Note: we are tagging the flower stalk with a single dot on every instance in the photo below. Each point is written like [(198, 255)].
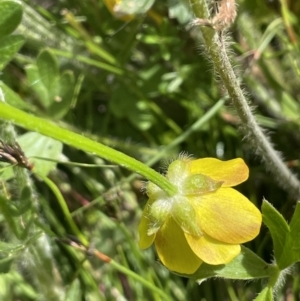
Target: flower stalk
[(216, 48), (52, 130)]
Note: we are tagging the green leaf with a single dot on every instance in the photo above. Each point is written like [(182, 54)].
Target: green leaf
[(265, 295), (11, 15), (291, 252), (295, 228), (125, 104), (62, 101), (9, 248), (5, 264), (247, 265), (278, 227), (35, 144), (13, 98), (9, 46), (180, 10), (6, 212), (37, 85), (74, 292), (133, 7), (48, 71), (285, 237)]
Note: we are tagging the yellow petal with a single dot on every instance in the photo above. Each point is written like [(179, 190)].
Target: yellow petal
[(212, 251), (173, 249), (145, 240), (232, 172), (228, 216)]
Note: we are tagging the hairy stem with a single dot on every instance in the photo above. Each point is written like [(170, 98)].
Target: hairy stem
[(253, 133)]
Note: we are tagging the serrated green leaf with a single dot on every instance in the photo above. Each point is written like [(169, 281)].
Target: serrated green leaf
[(9, 46), (247, 265), (11, 15), (278, 227), (265, 295), (48, 70)]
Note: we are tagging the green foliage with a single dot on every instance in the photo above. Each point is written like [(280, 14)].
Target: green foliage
[(145, 87), (245, 266), (285, 237), (128, 7), (11, 14), (55, 91), (265, 295)]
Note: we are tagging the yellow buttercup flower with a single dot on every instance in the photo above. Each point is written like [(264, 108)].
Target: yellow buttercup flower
[(205, 221)]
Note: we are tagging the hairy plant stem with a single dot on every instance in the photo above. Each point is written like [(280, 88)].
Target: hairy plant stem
[(216, 48)]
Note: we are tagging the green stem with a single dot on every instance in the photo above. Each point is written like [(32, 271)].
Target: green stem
[(88, 61), (50, 129), (140, 279), (216, 48), (64, 208)]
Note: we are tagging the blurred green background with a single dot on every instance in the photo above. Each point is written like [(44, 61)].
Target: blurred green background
[(138, 79)]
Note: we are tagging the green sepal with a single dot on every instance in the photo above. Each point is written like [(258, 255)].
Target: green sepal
[(185, 216), (158, 213), (200, 184), (176, 171), (153, 190)]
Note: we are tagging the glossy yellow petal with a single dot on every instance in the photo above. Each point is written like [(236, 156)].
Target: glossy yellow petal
[(228, 216), (232, 172), (145, 241), (173, 249), (212, 251)]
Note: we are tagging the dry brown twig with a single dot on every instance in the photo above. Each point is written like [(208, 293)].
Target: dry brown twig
[(13, 154)]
